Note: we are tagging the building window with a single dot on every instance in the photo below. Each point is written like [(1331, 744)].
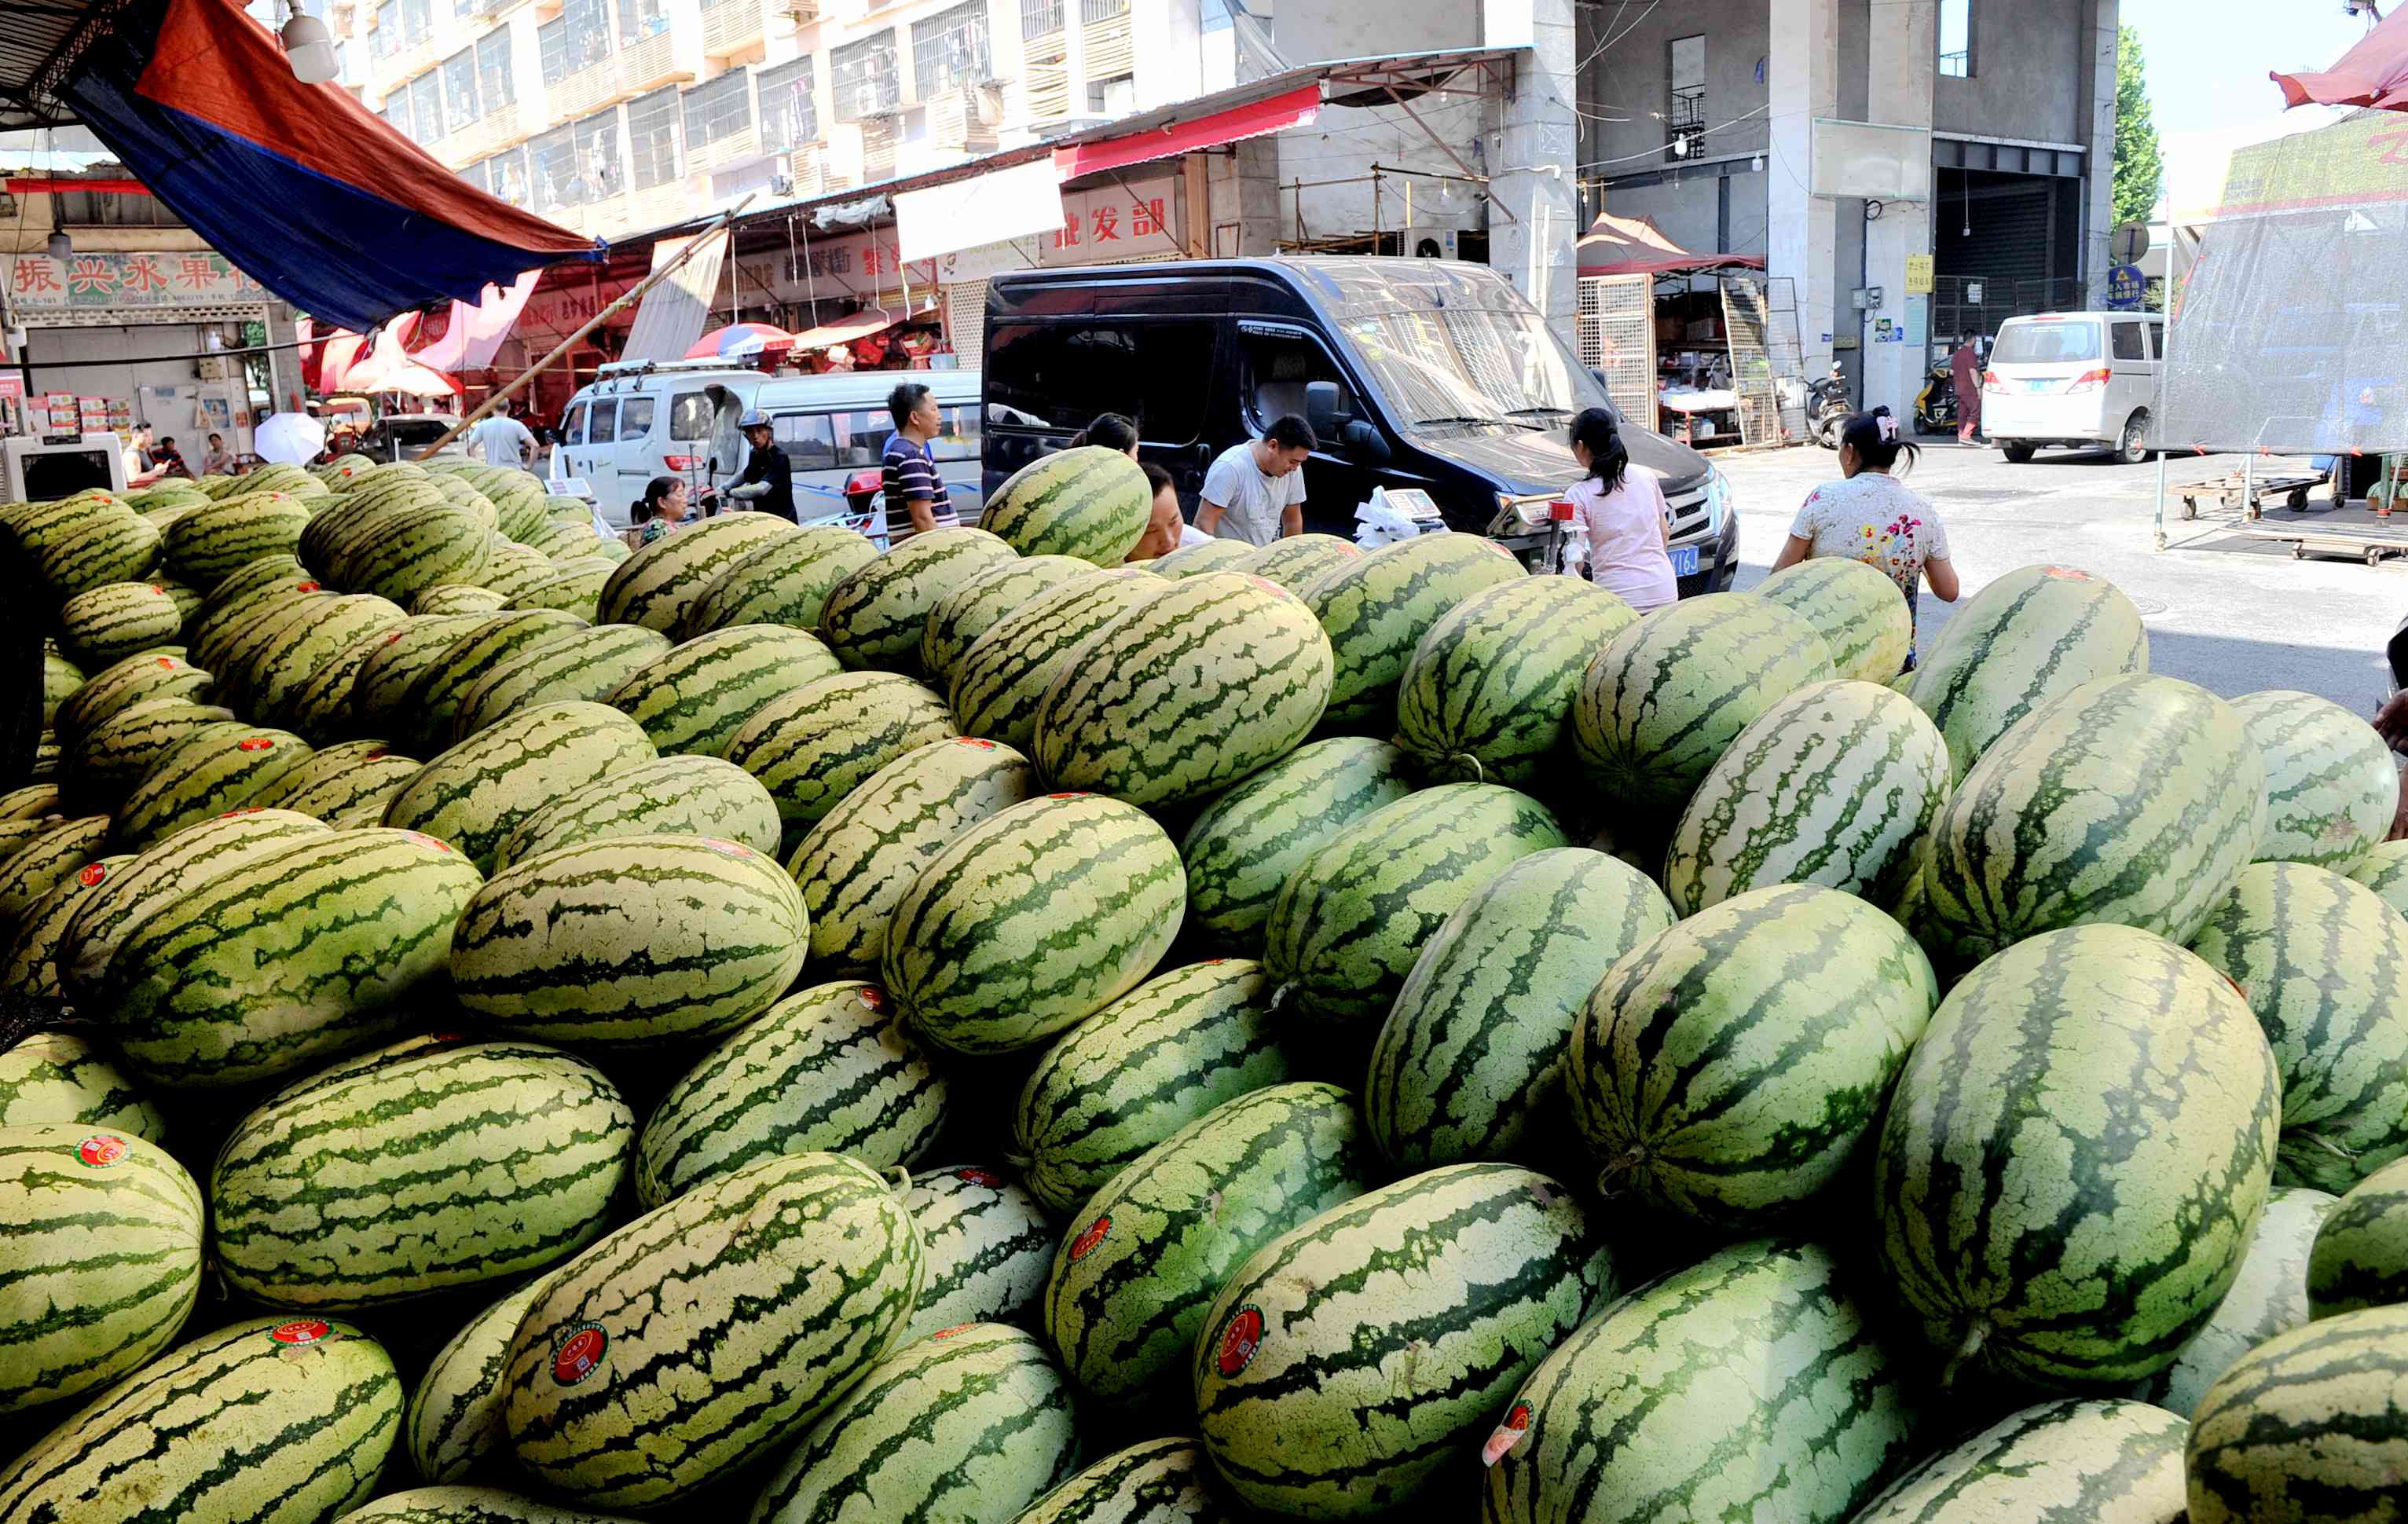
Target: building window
[(397, 110), (494, 86), (597, 153), (386, 36), (1112, 97), (475, 175), (788, 117), (1040, 16), (460, 90), (949, 49), (506, 176), (653, 139), (1685, 115), (1957, 39), (719, 109), (112, 208), (426, 107), (579, 38), (1091, 12), (552, 164), (862, 75), (641, 19), (417, 21)]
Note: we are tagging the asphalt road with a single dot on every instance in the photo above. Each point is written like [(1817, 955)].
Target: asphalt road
[(2232, 614)]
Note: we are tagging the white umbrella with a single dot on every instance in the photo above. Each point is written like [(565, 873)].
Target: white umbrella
[(289, 439)]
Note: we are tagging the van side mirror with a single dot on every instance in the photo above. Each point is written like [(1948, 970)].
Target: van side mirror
[(1363, 443), (1320, 408)]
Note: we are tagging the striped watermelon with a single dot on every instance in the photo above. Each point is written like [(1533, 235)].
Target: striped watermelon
[(2030, 636), (1144, 1067), (60, 678), (2384, 870), (783, 582), (697, 696), (1834, 784), (1471, 1059), (1343, 1363), (448, 600), (45, 860), (1753, 1384), (1488, 692), (229, 615), (322, 708), (117, 620), (335, 779), (295, 956), (1865, 623), (971, 1423), (272, 1420), (682, 795), (474, 794), (208, 772), (579, 665), (1245, 843), (382, 687), (2075, 1461), (1086, 501), (1032, 921), (106, 549), (2269, 1297), (429, 713), (102, 767), (310, 679), (2122, 1106), (988, 1249), (512, 1153), (656, 585), (576, 590), (188, 600), (794, 1277), (470, 1505), (601, 942), (1002, 680), (1353, 914), (1377, 608), (512, 570), (2360, 1256), (827, 1070), (1297, 561), (32, 802), (1159, 1481), (2174, 800), (2322, 961), (57, 1077), (812, 746), (856, 863), (29, 953), (875, 617), (969, 611), (209, 544), (101, 1263), (401, 554), (454, 1417), (1668, 695), (2331, 785), (1195, 560), (130, 681), (2308, 1425), (1691, 1099), (1139, 1262)]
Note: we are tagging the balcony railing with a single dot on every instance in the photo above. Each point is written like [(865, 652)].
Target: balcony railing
[(720, 153), (730, 27), (650, 63), (488, 135), (1110, 51), (588, 89), (800, 12)]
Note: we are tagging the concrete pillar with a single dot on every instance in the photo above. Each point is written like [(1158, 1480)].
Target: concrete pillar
[(1167, 37), (1902, 61), (2098, 164), (1536, 175), (284, 389), (1801, 232), (1242, 199)]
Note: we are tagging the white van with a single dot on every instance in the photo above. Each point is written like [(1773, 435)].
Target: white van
[(834, 428), (2083, 381), (640, 420)]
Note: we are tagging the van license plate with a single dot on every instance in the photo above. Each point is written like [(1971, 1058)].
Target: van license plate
[(1684, 560)]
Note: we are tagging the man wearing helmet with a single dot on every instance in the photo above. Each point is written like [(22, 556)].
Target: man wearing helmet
[(768, 484)]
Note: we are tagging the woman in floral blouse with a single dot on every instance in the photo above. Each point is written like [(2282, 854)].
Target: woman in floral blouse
[(1871, 516)]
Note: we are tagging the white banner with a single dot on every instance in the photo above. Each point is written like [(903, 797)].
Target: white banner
[(991, 209)]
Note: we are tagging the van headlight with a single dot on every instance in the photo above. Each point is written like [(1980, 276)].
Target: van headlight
[(1718, 499)]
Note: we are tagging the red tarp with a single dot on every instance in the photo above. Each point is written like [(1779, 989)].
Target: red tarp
[(2374, 73), (1296, 108), (1636, 246)]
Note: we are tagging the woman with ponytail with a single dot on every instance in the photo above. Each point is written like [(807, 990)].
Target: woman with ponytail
[(1630, 525), (1871, 516)]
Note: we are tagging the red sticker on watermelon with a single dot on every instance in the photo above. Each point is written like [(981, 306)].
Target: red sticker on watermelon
[(375, 755), (391, 638), (1074, 794), (980, 1177), (726, 849), (1084, 1245), (101, 1149), (2068, 574), (973, 740), (301, 1330), (256, 743), (872, 997), (156, 588), (167, 664), (958, 1328), (426, 841), (1507, 1434), (1238, 1341), (580, 1354), (91, 873), (305, 588)]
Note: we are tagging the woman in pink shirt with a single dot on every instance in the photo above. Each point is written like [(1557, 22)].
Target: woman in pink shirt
[(1630, 526)]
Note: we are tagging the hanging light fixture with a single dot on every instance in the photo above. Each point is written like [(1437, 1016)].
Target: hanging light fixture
[(308, 47), (59, 245), (1756, 164)]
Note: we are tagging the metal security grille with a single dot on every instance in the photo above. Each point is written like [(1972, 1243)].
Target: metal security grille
[(652, 123), (864, 77), (1617, 340), (1788, 349), (966, 320), (788, 117), (949, 49), (597, 153), (720, 108), (494, 69), (1746, 321)]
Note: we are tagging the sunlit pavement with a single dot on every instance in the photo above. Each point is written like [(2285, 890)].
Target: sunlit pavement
[(2231, 614)]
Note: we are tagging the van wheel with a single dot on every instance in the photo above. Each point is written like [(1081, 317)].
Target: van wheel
[(2133, 447), (2017, 455)]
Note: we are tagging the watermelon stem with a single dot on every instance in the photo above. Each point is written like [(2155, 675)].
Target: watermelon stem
[(1609, 1179), (1457, 761), (2336, 1150), (1975, 1337), (1279, 996)]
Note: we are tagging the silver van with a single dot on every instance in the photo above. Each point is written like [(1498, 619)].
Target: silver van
[(637, 422), (2082, 380), (833, 429)]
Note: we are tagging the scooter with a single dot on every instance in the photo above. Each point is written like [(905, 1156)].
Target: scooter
[(1935, 405), (1826, 407)]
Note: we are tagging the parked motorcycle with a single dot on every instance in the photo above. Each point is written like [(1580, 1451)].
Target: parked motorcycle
[(1935, 405), (1827, 408)]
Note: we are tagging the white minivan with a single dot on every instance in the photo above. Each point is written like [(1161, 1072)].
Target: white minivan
[(2083, 381), (833, 429), (637, 422)]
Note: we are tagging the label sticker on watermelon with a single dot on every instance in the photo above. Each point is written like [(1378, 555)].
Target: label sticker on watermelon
[(1074, 794), (301, 1330), (305, 588), (958, 1328), (376, 756), (426, 841), (91, 873), (166, 664), (254, 743), (2067, 574), (580, 1354), (1238, 1341), (245, 810), (156, 588), (726, 849), (101, 1150), (980, 1177), (1084, 1245), (1507, 1435), (973, 740), (391, 638), (872, 997)]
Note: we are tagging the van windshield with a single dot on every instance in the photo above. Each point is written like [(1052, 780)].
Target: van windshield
[(1462, 365), (2045, 343)]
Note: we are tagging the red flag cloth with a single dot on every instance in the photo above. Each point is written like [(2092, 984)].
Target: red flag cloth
[(2374, 73), (476, 332)]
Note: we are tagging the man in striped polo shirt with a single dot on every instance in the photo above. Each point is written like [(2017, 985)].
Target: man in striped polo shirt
[(916, 499)]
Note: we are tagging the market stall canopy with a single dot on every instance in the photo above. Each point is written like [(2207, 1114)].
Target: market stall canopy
[(1636, 246), (391, 367), (477, 329), (2374, 73), (740, 341), (847, 330), (300, 186)]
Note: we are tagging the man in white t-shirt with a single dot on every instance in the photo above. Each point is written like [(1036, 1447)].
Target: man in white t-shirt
[(502, 440), (1255, 491)]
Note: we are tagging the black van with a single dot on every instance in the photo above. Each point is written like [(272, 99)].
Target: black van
[(1412, 372)]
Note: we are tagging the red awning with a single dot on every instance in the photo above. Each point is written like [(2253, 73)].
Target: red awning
[(1296, 108), (1636, 246), (846, 330), (2374, 73)]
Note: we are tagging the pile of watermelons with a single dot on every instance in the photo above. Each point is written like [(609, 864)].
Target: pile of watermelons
[(764, 1029)]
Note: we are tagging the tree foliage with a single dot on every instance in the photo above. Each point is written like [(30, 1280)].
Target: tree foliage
[(2140, 166)]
